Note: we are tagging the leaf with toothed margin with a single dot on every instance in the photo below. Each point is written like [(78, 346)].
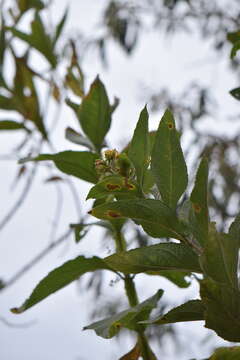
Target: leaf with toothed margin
[(61, 277), (167, 164), (129, 318), (156, 218), (80, 164)]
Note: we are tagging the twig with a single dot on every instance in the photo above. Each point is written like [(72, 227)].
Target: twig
[(36, 259), (21, 198)]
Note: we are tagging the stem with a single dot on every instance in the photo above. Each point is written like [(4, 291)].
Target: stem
[(132, 296)]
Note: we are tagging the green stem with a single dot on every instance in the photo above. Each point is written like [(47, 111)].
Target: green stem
[(132, 296)]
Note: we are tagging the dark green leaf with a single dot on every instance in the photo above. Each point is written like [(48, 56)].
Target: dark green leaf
[(163, 256), (61, 277), (222, 304), (234, 230), (226, 353), (192, 310), (129, 318), (157, 219), (139, 150), (80, 231), (220, 258), (199, 218), (2, 43), (11, 125), (59, 27), (236, 93), (235, 49), (94, 113), (114, 184), (168, 164), (76, 163)]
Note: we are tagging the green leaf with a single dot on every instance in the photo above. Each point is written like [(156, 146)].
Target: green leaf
[(80, 231), (61, 277), (226, 353), (94, 113), (168, 164), (59, 27), (2, 44), (139, 150), (199, 218), (220, 258), (154, 258), (11, 125), (77, 138), (176, 277), (129, 318), (192, 310), (222, 304), (38, 39), (235, 93), (234, 230), (133, 354), (157, 219), (25, 5), (80, 164), (115, 184), (235, 49)]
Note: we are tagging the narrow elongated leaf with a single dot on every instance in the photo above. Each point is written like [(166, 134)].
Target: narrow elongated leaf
[(94, 113), (59, 27), (129, 318), (139, 150), (222, 303), (192, 310), (199, 218), (168, 164), (76, 163), (11, 125), (220, 258), (115, 184), (163, 256), (2, 43), (157, 219), (226, 353), (77, 138), (61, 277)]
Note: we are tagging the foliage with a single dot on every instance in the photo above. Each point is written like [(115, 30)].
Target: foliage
[(145, 185)]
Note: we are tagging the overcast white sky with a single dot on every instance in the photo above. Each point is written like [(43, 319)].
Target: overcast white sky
[(57, 332)]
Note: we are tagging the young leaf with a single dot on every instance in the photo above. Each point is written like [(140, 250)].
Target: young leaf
[(222, 304), (154, 258), (94, 113), (76, 163), (220, 258), (140, 147), (129, 318), (192, 310), (157, 219), (114, 184), (168, 164), (61, 277), (199, 218)]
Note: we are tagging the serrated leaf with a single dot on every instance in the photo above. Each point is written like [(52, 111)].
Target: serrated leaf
[(154, 258), (157, 219), (61, 277), (220, 258), (222, 303), (115, 184), (226, 353), (129, 318), (168, 164), (80, 164), (11, 125), (94, 113), (192, 310), (139, 150), (235, 93), (199, 218)]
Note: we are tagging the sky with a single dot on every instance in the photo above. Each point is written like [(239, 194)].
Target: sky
[(53, 329)]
